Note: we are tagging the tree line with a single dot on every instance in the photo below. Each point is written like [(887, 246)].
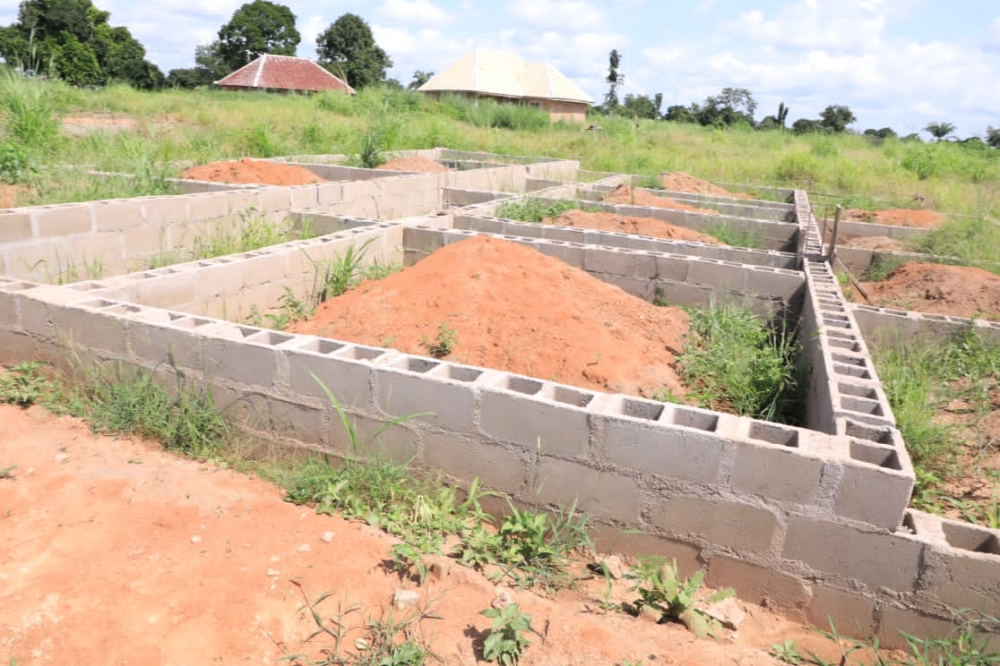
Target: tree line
[(735, 107)]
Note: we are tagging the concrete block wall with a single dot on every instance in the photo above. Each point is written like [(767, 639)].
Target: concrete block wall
[(812, 519), (732, 206), (805, 519), (782, 236), (676, 278), (494, 225), (236, 286)]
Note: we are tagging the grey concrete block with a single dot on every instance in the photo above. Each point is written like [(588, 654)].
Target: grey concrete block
[(15, 226), (760, 585), (777, 473), (599, 494), (850, 612), (667, 451), (235, 360), (497, 467), (64, 219), (161, 211), (530, 422), (347, 379), (177, 344), (717, 521), (441, 403), (877, 488), (878, 559)]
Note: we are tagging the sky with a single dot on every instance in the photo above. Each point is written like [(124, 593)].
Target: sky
[(895, 63)]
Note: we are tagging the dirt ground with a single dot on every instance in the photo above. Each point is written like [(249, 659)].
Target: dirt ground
[(248, 171), (872, 243), (421, 164), (513, 308), (624, 194), (115, 552), (9, 194), (643, 226), (897, 217), (960, 291), (678, 181)]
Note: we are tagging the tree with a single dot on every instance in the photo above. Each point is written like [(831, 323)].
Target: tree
[(680, 114), (348, 49), (641, 106), (257, 28), (209, 67), (782, 115), (993, 136), (730, 107), (939, 130), (884, 133), (806, 126), (614, 79), (420, 77), (836, 118), (74, 40)]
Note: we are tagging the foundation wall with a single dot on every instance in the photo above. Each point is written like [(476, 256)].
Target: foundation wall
[(767, 508), (733, 207)]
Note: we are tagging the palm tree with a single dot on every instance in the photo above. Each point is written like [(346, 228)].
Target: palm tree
[(939, 130)]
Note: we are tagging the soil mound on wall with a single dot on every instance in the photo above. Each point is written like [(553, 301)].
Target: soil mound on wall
[(624, 194), (252, 172), (960, 291), (897, 217), (644, 226), (678, 181), (421, 164), (513, 308)]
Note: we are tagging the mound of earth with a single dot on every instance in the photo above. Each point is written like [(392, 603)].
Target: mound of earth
[(896, 217), (421, 164), (643, 226), (624, 194), (9, 195), (252, 172), (873, 243), (513, 308), (678, 181), (960, 291)]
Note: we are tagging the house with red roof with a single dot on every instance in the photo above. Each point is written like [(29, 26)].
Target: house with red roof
[(279, 73)]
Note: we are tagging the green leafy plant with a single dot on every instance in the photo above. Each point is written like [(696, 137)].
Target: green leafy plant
[(22, 385), (661, 588), (443, 343), (787, 652), (533, 209), (335, 277), (16, 165), (507, 640)]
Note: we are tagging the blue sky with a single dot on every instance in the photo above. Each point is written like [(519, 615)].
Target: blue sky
[(897, 63)]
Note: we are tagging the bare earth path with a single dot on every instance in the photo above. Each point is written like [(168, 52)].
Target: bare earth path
[(115, 552)]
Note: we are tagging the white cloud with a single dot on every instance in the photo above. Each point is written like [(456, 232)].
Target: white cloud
[(828, 24), (557, 14), (414, 11)]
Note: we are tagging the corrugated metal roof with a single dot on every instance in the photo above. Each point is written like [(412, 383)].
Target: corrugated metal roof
[(275, 72), (505, 74)]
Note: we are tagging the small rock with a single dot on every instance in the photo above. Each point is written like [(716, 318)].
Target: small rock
[(728, 613), (62, 457), (614, 566), (304, 548), (404, 599), (196, 539), (502, 600), (273, 572), (327, 537)]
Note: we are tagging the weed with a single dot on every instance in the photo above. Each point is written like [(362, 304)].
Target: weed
[(290, 310), (881, 266), (967, 644), (130, 401), (787, 652), (747, 238), (532, 209), (507, 640), (337, 276), (661, 588), (30, 107), (735, 362), (22, 385), (8, 472), (16, 165), (443, 343)]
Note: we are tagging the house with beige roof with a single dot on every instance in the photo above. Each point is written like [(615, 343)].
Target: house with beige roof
[(505, 77)]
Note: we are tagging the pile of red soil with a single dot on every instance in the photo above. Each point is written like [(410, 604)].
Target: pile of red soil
[(247, 171), (873, 243), (643, 226), (678, 181), (421, 164), (960, 291), (513, 308), (897, 217), (624, 194)]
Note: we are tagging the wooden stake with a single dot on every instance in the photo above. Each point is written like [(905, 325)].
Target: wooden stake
[(832, 255)]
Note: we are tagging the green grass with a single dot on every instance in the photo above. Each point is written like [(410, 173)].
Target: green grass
[(531, 209), (921, 379), (734, 361), (747, 238)]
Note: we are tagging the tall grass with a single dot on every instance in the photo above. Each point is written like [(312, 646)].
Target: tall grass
[(30, 109)]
